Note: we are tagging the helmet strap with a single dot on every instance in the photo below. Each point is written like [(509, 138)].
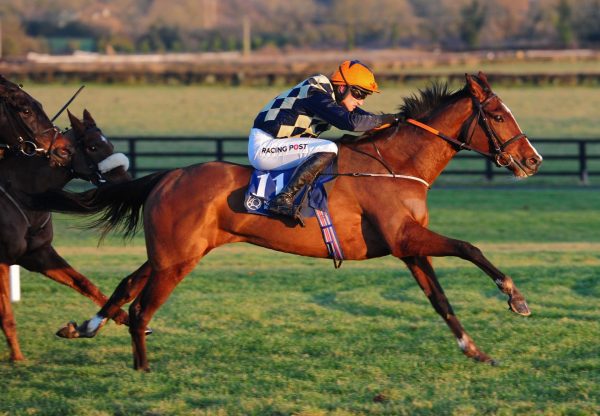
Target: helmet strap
[(341, 96)]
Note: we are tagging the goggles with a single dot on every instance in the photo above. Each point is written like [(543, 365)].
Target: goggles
[(358, 93)]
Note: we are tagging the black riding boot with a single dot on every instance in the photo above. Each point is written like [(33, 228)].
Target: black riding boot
[(305, 174)]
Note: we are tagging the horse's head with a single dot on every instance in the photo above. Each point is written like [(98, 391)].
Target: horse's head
[(25, 127), (492, 129), (94, 159)]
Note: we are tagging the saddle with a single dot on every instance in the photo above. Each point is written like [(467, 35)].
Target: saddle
[(264, 185)]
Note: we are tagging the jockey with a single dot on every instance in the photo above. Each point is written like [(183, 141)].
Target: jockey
[(285, 132)]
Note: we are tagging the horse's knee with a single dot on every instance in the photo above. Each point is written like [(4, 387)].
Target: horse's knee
[(8, 326), (134, 313), (467, 250)]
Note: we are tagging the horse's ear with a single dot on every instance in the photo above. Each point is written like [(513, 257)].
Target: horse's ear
[(87, 118), (476, 89), (76, 124), (484, 81)]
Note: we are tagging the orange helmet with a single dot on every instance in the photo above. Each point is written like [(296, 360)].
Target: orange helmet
[(355, 73)]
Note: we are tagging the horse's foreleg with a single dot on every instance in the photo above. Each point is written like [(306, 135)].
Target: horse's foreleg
[(154, 294), (419, 241), (48, 262), (7, 319), (424, 274)]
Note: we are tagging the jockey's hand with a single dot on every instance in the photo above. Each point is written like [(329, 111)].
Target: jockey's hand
[(388, 121)]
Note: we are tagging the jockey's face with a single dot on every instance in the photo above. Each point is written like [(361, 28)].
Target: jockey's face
[(350, 102)]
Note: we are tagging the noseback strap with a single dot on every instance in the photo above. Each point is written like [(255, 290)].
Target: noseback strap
[(514, 139)]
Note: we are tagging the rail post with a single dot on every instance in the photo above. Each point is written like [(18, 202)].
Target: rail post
[(489, 170), (15, 283), (583, 171), (220, 154), (132, 157)]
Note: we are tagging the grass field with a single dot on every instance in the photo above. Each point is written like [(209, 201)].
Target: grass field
[(256, 332)]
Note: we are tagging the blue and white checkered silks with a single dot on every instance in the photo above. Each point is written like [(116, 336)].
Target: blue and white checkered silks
[(283, 110)]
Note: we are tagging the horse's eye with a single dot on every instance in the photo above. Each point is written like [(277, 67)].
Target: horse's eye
[(26, 111), (92, 148), (499, 118)]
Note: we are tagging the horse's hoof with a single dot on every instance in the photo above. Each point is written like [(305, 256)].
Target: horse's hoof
[(484, 358), (148, 331), (85, 332), (68, 331), (519, 306)]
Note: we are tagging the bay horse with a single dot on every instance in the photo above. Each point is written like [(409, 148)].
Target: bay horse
[(378, 204), (26, 235), (25, 128)]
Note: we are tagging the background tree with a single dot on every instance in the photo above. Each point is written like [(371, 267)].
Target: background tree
[(472, 19), (202, 25), (564, 23), (587, 22)]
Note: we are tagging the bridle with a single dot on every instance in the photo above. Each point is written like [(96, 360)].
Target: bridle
[(97, 169), (27, 143), (479, 117), (96, 176)]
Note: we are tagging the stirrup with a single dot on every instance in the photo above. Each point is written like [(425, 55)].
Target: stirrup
[(287, 211)]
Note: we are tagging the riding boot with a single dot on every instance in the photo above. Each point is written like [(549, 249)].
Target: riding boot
[(305, 174)]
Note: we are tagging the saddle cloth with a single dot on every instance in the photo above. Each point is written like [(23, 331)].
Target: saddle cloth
[(264, 185)]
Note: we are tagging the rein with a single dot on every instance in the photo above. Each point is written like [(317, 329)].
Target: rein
[(380, 175), (379, 158), (16, 204)]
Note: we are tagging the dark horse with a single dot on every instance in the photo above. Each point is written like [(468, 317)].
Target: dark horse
[(380, 210), (26, 236), (26, 129)]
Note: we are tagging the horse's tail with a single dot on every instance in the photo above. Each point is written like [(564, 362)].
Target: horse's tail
[(119, 205)]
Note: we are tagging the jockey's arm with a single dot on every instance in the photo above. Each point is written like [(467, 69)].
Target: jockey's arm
[(327, 109)]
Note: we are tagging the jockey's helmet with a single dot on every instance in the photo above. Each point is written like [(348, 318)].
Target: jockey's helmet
[(355, 74)]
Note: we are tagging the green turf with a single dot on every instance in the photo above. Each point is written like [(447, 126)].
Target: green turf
[(263, 333)]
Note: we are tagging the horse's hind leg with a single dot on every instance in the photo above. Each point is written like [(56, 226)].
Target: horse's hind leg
[(7, 319), (424, 274), (419, 241), (48, 262), (154, 294), (125, 292)]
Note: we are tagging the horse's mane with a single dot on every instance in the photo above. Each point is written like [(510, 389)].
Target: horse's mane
[(424, 104), (12, 93), (420, 106)]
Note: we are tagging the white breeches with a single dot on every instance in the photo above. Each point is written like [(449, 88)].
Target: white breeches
[(268, 153)]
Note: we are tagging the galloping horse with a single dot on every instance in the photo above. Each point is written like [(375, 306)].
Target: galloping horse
[(25, 128), (26, 236), (379, 208)]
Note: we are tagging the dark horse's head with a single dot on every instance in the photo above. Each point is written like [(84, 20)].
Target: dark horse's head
[(25, 127), (94, 159)]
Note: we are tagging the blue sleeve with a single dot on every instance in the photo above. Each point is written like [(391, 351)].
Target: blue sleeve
[(324, 107)]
